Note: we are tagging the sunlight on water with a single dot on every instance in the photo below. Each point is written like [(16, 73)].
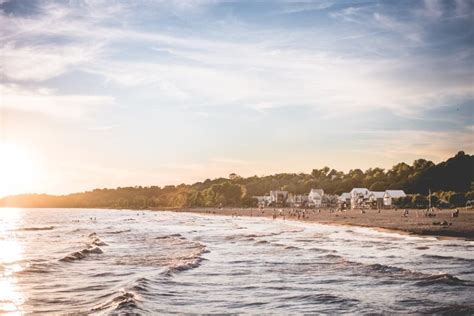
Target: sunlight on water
[(11, 252)]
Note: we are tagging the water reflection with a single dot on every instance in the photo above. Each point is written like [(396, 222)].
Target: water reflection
[(11, 253)]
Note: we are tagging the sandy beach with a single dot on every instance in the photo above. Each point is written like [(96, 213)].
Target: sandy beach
[(388, 219)]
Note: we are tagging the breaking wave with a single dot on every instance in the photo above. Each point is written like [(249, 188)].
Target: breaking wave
[(420, 278), (125, 301), (172, 252), (92, 247)]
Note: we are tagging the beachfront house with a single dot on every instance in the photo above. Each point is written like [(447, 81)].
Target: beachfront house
[(262, 200), (278, 198), (390, 195), (376, 199), (297, 200), (330, 200), (359, 197), (344, 200), (315, 197)]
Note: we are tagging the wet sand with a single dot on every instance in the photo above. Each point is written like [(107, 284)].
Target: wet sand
[(387, 219)]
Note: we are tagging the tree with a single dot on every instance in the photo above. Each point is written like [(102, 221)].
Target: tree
[(457, 200), (419, 200), (234, 176), (378, 186)]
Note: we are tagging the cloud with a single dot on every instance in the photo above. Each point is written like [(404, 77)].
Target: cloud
[(298, 6), (410, 31), (46, 101), (432, 9), (260, 72), (41, 62)]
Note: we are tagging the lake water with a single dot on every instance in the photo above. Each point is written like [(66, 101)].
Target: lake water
[(114, 261)]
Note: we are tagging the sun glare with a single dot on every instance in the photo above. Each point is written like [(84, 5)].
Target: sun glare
[(16, 169)]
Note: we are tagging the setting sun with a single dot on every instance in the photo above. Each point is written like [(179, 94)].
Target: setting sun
[(16, 169)]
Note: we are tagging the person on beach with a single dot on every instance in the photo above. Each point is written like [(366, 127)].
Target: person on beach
[(405, 213)]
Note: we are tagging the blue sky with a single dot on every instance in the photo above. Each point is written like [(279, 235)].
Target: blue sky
[(117, 93)]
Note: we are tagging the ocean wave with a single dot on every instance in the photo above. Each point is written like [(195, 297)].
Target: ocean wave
[(332, 256), (124, 301), (304, 240), (323, 298), (420, 278), (92, 247), (454, 309), (190, 261), (81, 254), (37, 267), (450, 258), (170, 236), (119, 231), (141, 285), (443, 278), (321, 250), (35, 228), (173, 253)]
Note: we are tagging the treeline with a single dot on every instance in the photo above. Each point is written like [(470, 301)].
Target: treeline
[(443, 199), (454, 175)]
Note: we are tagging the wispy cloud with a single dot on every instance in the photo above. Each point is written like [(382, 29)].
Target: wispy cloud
[(41, 62), (219, 72), (48, 102)]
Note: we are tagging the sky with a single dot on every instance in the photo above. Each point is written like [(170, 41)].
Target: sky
[(121, 93)]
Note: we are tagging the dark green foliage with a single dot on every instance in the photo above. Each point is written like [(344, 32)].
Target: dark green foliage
[(419, 201), (378, 186), (457, 199), (451, 181)]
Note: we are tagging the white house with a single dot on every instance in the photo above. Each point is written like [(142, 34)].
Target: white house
[(345, 199), (392, 194), (359, 196), (315, 197), (376, 198), (278, 197), (297, 200), (330, 200), (262, 200)]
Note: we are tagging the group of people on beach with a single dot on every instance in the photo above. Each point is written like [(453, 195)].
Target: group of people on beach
[(304, 214), (295, 213)]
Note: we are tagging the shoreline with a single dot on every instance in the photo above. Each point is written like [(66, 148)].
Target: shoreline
[(388, 220)]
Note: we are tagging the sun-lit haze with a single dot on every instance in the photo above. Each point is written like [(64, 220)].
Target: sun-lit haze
[(17, 169), (122, 93)]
